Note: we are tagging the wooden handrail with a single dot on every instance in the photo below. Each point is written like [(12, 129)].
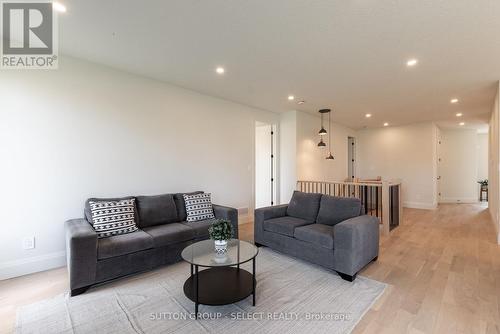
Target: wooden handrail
[(373, 184), (381, 199)]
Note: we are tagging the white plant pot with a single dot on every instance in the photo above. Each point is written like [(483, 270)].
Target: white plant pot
[(220, 258), (220, 246)]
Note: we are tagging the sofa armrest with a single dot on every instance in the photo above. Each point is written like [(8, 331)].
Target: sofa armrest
[(266, 213), (225, 212), (81, 252), (270, 212), (355, 243)]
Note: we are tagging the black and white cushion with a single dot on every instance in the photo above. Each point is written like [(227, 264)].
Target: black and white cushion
[(199, 207), (113, 217)]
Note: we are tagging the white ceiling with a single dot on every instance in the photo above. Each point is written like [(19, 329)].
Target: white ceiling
[(346, 55)]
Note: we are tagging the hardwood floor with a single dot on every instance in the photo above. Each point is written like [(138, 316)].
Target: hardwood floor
[(442, 267), (28, 289)]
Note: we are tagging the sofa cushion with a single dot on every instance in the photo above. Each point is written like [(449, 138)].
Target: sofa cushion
[(181, 205), (317, 234), (88, 213), (113, 217), (199, 207), (200, 228), (156, 210), (284, 225), (164, 235), (304, 205), (123, 244), (334, 210)]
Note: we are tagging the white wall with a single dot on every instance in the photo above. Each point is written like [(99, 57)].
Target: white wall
[(494, 166), (88, 130), (482, 156), (407, 153), (458, 166), (311, 162), (288, 155), (301, 159)]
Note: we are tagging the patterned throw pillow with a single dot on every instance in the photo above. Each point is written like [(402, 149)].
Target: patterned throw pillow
[(113, 217), (198, 207)]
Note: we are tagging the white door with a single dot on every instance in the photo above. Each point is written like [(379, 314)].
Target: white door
[(265, 189)]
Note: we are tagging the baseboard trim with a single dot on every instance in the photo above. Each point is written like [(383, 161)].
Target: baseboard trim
[(459, 200), (419, 205), (32, 265)]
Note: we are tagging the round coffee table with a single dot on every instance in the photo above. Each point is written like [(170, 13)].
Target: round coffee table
[(223, 282)]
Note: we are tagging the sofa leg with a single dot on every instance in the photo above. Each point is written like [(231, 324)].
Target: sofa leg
[(346, 277), (79, 291), (375, 259)]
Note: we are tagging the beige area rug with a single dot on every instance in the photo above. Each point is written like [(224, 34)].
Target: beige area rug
[(293, 296)]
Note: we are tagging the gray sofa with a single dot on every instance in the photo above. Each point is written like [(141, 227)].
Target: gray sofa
[(163, 234), (326, 230)]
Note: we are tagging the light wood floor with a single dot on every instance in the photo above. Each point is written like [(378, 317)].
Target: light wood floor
[(442, 267)]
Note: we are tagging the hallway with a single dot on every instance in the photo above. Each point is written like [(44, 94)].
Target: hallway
[(443, 267)]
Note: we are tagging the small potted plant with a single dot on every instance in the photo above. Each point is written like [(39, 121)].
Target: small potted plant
[(483, 183), (221, 231)]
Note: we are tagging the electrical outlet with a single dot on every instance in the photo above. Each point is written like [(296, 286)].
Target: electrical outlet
[(29, 243)]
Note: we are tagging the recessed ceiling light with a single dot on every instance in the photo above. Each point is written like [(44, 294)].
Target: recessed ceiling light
[(368, 115), (411, 62), (291, 97), (458, 114), (301, 102), (454, 101), (220, 70), (59, 7), (386, 124), (461, 123)]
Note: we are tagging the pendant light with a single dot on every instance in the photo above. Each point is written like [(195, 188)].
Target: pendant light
[(322, 132), (321, 143), (330, 156)]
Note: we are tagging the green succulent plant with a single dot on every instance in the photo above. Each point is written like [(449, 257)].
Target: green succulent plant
[(221, 229), (483, 182)]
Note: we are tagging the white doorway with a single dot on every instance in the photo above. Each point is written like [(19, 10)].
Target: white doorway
[(265, 165), (462, 157)]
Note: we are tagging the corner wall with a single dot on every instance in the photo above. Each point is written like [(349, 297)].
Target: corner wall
[(301, 159), (494, 166), (311, 162), (288, 155), (405, 152)]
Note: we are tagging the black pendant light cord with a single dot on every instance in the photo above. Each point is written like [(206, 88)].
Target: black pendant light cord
[(330, 156)]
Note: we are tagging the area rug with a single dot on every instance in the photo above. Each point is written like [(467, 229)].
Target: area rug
[(293, 296)]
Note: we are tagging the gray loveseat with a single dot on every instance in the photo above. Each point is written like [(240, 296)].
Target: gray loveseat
[(163, 234), (326, 230)]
